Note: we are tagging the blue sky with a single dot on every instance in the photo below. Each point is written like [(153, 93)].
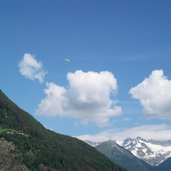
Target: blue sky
[(128, 39)]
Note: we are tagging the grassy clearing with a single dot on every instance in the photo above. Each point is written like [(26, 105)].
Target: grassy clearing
[(2, 130), (12, 131)]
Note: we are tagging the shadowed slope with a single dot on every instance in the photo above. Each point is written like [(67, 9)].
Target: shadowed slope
[(39, 148)]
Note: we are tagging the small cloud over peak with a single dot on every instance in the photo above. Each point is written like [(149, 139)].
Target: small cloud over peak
[(87, 98), (32, 69)]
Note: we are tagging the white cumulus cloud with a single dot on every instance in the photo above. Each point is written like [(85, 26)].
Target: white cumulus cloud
[(156, 132), (88, 97), (31, 68), (154, 94)]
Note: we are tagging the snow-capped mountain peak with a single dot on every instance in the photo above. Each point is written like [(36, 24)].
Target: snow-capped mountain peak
[(153, 152)]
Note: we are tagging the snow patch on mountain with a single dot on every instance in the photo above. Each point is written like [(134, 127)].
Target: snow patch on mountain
[(93, 144)]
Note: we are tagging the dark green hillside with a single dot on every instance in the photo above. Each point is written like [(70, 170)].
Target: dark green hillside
[(37, 148), (11, 116)]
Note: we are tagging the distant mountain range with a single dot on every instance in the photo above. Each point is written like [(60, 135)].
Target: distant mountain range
[(138, 154), (151, 151), (122, 156), (26, 145)]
